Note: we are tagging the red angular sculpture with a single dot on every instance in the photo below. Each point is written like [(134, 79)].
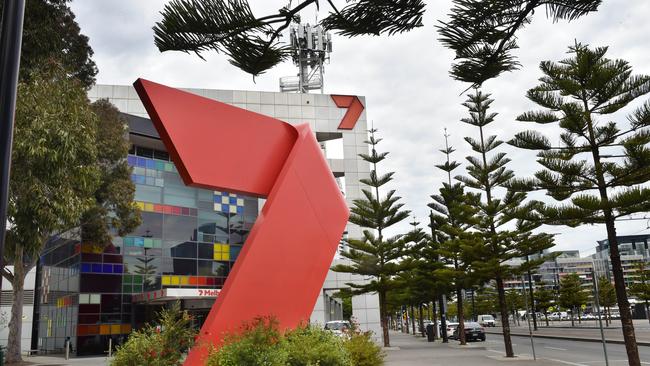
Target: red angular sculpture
[(285, 259), (354, 110)]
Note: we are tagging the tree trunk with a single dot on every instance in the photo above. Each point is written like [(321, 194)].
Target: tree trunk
[(647, 312), (617, 269), (503, 309), (580, 317), (573, 321), (434, 317), (384, 318), (13, 354), (606, 316), (621, 294), (461, 316), (422, 330), (443, 318), (413, 319)]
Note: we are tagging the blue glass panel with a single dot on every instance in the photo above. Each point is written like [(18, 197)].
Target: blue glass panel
[(138, 242), (132, 160), (128, 241), (107, 268), (117, 268), (85, 267), (151, 164), (142, 162), (233, 200), (133, 178), (240, 210), (140, 179), (97, 267), (217, 198)]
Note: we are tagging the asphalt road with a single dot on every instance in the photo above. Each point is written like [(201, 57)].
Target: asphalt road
[(567, 352)]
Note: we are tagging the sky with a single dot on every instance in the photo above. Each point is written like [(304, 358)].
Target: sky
[(410, 97)]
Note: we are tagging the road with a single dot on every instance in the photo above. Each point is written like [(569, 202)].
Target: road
[(567, 352)]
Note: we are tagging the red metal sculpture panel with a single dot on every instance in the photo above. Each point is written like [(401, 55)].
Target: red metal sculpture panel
[(285, 259), (354, 106)]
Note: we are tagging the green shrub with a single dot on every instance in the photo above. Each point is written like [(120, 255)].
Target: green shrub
[(315, 346), (363, 350), (259, 344), (153, 346)]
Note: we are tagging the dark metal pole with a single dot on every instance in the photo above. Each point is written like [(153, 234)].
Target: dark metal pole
[(10, 42), (532, 297), (441, 297)]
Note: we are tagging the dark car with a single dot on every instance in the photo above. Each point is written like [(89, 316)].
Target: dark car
[(473, 332)]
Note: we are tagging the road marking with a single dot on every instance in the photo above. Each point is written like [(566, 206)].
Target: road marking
[(557, 349), (495, 351), (565, 362)]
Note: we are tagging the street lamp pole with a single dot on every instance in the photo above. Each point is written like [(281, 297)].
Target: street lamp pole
[(10, 42)]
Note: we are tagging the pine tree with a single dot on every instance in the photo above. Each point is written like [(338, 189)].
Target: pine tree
[(482, 33), (572, 295), (606, 296), (641, 286), (454, 218), (598, 167), (375, 255), (487, 174)]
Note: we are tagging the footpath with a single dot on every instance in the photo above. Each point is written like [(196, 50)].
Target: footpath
[(587, 332), (408, 350)]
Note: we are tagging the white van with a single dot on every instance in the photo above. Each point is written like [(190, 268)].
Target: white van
[(486, 320)]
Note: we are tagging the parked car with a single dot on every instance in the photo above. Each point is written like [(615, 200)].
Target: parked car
[(473, 332), (451, 327), (486, 320), (338, 327)]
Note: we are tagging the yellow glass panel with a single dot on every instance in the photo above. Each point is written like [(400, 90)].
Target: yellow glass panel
[(104, 329), (225, 248), (233, 209), (166, 280), (148, 207), (126, 328), (175, 280), (184, 280), (240, 201), (115, 328), (140, 205), (225, 200), (225, 256)]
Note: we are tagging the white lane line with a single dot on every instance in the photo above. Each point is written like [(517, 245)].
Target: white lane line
[(495, 351), (556, 348), (565, 362)]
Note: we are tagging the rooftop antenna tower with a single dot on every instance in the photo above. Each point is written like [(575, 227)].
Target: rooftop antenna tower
[(310, 48)]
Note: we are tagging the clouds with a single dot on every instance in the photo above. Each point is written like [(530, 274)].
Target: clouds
[(405, 79)]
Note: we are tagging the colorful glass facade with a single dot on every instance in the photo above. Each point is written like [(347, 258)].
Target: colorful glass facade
[(189, 238)]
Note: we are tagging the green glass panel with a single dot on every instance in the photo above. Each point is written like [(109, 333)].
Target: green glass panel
[(128, 241), (148, 243), (126, 289), (160, 165), (157, 243), (137, 279), (137, 288), (127, 279), (169, 167)]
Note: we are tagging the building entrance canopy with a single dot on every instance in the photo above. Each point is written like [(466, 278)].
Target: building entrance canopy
[(170, 294)]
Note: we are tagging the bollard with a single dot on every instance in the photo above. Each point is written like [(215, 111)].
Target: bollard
[(110, 347), (67, 349)]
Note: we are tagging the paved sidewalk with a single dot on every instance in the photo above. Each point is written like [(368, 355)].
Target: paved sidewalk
[(613, 334), (61, 361), (416, 351)]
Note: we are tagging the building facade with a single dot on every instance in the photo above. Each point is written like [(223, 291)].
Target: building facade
[(189, 239)]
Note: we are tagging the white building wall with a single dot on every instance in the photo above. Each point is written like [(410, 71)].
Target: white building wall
[(322, 115), (28, 310)]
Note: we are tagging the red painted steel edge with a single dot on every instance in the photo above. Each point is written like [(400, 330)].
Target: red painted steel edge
[(285, 259), (354, 106)]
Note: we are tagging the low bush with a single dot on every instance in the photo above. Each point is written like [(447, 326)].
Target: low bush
[(363, 350), (259, 344), (314, 346), (162, 345)]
